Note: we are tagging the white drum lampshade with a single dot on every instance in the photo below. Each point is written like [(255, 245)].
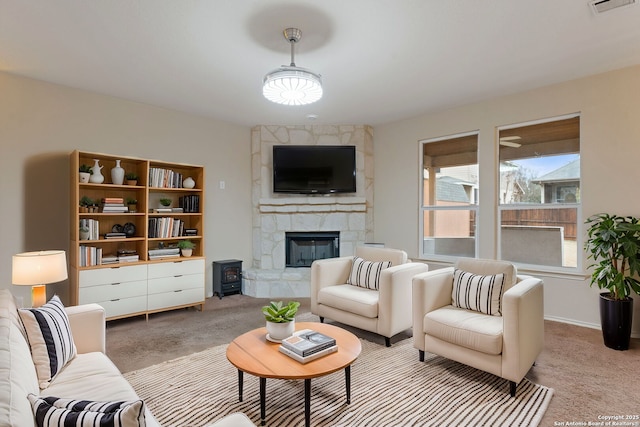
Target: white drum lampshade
[(37, 269)]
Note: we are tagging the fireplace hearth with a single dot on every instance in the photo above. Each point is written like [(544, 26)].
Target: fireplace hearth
[(302, 248)]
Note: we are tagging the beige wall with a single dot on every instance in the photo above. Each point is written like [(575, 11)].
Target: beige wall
[(610, 143), (41, 123)]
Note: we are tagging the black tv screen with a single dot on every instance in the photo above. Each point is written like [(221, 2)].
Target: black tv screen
[(314, 169)]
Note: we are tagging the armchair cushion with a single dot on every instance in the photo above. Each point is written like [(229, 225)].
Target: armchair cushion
[(366, 274), (360, 301), (50, 339), (477, 292), (465, 328)]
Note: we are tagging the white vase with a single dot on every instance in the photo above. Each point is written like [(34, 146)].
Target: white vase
[(188, 183), (280, 331), (117, 174), (96, 176)]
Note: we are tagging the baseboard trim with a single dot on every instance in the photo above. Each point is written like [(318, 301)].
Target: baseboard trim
[(583, 324)]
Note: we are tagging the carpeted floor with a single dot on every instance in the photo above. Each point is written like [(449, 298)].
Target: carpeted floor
[(389, 388), (590, 380)]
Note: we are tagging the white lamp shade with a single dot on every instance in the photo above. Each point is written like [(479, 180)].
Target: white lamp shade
[(39, 268)]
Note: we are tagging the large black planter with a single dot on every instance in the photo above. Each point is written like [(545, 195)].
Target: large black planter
[(615, 318)]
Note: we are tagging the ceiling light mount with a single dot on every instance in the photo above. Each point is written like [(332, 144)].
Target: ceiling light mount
[(292, 85)]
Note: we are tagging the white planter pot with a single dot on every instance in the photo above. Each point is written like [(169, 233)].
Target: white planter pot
[(84, 177), (280, 331), (186, 252)]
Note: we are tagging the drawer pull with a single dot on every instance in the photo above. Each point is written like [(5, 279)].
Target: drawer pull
[(113, 268), (114, 284), (179, 290), (115, 300), (178, 275)]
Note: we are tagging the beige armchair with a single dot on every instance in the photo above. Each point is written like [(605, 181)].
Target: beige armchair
[(504, 343), (385, 311)]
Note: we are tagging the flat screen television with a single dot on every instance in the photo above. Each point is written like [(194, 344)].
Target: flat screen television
[(314, 169)]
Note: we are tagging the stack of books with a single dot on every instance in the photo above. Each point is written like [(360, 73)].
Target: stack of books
[(89, 255), (128, 255), (307, 345), (114, 205), (190, 204), (161, 253)]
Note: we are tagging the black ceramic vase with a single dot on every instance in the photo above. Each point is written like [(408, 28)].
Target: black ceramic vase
[(615, 318)]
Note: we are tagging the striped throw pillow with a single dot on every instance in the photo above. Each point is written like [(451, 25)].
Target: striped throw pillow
[(478, 293), (53, 411), (50, 339), (366, 274)]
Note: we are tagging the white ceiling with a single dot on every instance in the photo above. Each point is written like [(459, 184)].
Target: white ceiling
[(381, 60)]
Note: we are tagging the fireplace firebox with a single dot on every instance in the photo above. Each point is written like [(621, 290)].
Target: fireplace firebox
[(302, 248)]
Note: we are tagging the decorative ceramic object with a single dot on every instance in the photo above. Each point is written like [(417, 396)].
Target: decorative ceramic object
[(117, 174), (188, 183), (96, 176), (279, 331), (84, 177), (84, 233), (186, 252)]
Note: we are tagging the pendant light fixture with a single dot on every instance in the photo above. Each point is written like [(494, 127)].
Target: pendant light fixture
[(291, 85)]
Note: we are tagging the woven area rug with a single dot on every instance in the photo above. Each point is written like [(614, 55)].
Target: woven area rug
[(389, 387)]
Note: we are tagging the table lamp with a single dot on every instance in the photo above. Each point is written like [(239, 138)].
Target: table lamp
[(37, 269)]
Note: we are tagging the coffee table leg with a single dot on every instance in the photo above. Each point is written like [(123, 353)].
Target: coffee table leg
[(240, 382), (307, 402), (263, 394), (347, 378)]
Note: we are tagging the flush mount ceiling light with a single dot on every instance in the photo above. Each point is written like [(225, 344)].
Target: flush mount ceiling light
[(291, 85)]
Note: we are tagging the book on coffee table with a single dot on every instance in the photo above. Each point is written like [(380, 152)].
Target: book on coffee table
[(309, 358), (307, 342)]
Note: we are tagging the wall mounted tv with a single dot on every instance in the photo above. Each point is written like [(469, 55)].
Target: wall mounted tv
[(314, 169)]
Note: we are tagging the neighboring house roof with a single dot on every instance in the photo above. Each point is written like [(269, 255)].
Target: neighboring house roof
[(451, 189), (568, 172)]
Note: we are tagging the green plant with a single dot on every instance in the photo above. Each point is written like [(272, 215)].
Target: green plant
[(86, 201), (276, 312), (614, 245), (132, 201), (86, 169), (165, 202), (186, 244), (131, 176)]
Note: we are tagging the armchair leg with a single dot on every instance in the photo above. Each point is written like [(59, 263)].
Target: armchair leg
[(321, 319), (387, 341), (421, 355), (512, 388)]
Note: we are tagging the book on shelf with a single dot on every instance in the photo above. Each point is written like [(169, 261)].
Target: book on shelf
[(309, 358), (128, 258), (307, 342), (112, 200), (114, 235), (161, 210)]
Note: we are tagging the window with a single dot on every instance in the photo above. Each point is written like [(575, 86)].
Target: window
[(540, 192), (449, 196)]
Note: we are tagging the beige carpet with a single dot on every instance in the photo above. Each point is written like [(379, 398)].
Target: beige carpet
[(389, 387)]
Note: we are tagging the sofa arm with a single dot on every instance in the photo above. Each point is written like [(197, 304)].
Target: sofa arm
[(88, 327), (328, 272), (394, 299), (430, 291), (237, 419), (523, 316)]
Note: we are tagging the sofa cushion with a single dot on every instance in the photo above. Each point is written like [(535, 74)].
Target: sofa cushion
[(366, 274), (477, 292), (352, 299), (50, 339), (53, 411), (466, 328)]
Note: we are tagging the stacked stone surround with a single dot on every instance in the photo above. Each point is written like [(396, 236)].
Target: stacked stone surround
[(275, 214)]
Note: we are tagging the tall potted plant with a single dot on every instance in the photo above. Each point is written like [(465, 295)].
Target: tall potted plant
[(613, 244)]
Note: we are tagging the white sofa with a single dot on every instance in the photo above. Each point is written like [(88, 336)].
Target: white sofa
[(385, 311), (89, 375)]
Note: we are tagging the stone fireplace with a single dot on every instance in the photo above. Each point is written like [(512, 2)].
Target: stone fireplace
[(274, 215)]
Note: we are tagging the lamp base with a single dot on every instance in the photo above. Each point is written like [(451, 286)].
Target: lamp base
[(38, 295)]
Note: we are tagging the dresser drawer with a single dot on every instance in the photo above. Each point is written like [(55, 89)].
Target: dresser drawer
[(112, 292), (176, 298), (176, 268), (124, 306), (170, 284), (109, 275)]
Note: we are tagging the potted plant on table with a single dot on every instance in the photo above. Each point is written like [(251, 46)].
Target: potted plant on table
[(186, 247), (165, 202), (613, 244), (280, 319)]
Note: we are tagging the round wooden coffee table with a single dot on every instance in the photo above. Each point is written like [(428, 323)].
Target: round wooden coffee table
[(253, 354)]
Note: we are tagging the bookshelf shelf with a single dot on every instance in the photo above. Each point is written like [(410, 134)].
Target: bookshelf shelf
[(103, 262)]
